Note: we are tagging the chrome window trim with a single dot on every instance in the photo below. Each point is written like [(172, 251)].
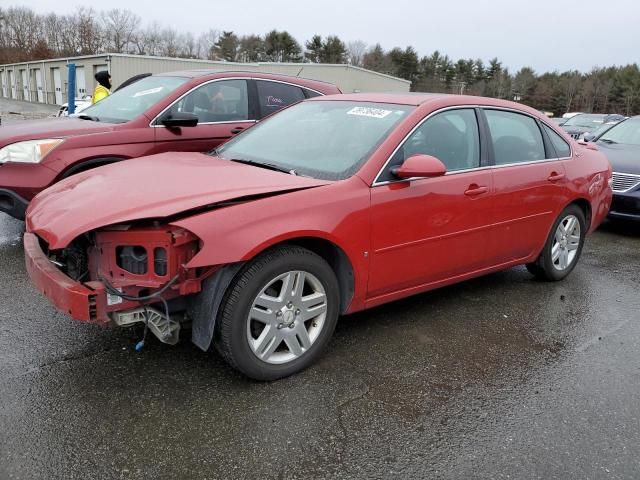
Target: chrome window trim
[(151, 123), (377, 183)]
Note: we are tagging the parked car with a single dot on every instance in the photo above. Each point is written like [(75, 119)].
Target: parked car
[(81, 104), (598, 132), (559, 120), (189, 111), (334, 205), (621, 145), (578, 125)]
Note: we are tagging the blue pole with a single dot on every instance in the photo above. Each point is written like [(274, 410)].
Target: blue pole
[(71, 90)]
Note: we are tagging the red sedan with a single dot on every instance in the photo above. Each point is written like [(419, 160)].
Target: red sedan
[(332, 206), (191, 111)]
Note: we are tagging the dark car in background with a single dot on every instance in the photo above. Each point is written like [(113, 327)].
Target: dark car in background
[(182, 111), (585, 123), (621, 145)]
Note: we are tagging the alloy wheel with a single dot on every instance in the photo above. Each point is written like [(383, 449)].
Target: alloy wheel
[(566, 242), (286, 317)]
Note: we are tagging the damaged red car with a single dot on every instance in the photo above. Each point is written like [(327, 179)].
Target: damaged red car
[(332, 206)]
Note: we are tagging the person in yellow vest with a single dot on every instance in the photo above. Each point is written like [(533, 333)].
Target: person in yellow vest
[(103, 89)]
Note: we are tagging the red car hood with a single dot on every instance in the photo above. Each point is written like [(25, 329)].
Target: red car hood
[(149, 187), (50, 128)]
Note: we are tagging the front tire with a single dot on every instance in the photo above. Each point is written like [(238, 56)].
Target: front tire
[(563, 247), (278, 314)]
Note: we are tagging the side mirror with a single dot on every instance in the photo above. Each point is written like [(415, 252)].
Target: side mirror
[(588, 137), (179, 119), (420, 166)]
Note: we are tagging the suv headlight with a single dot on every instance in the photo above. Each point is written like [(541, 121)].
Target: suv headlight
[(30, 151)]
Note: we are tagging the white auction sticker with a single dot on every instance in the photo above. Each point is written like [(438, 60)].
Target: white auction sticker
[(114, 299), (148, 92), (369, 112)]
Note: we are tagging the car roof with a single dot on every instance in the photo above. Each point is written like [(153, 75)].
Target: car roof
[(418, 98), (205, 72)]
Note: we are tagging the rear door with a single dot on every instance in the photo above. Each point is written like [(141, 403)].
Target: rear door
[(530, 185), (223, 110)]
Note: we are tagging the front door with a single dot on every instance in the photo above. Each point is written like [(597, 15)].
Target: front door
[(429, 230), (530, 185), (223, 110)]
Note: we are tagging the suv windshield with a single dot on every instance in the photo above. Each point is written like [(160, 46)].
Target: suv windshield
[(329, 140), (591, 121), (627, 132), (133, 100)]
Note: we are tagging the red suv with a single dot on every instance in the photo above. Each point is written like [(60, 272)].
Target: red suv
[(181, 111)]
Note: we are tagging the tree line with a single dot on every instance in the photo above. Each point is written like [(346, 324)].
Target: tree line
[(28, 36)]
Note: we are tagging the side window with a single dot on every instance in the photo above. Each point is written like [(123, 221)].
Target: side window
[(450, 136), (273, 96), (516, 137), (561, 147), (219, 101), (311, 93)]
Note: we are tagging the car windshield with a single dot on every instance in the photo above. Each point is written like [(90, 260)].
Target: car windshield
[(627, 132), (133, 100), (329, 140), (591, 121)]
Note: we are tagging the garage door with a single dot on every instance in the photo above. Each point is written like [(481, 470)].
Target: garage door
[(25, 85), (57, 85), (38, 76), (81, 85), (12, 83)]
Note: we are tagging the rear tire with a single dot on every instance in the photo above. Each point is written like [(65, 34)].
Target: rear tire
[(278, 314), (562, 249)]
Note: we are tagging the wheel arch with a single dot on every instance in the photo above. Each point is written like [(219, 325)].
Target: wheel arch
[(90, 163), (585, 206), (337, 259), (205, 308)]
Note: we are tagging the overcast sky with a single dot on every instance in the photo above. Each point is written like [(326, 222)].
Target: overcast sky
[(544, 34)]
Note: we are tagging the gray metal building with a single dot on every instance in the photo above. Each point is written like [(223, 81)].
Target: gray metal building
[(46, 81)]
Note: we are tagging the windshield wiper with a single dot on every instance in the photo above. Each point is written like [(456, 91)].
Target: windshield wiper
[(269, 166), (606, 140), (84, 116)]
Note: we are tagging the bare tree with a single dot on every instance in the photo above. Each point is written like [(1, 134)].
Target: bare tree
[(119, 28), (356, 51), (190, 47), (89, 33), (207, 42), (170, 43), (149, 40)]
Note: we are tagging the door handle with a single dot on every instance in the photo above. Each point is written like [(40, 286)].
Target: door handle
[(237, 130), (475, 190), (554, 177)]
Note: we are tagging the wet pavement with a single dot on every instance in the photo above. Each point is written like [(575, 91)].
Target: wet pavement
[(500, 377)]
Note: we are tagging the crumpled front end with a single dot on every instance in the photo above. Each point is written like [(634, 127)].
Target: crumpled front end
[(104, 274)]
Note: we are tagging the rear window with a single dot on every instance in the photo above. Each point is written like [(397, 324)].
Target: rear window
[(561, 148), (273, 96)]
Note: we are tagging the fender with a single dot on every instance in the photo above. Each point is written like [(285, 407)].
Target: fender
[(238, 233)]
